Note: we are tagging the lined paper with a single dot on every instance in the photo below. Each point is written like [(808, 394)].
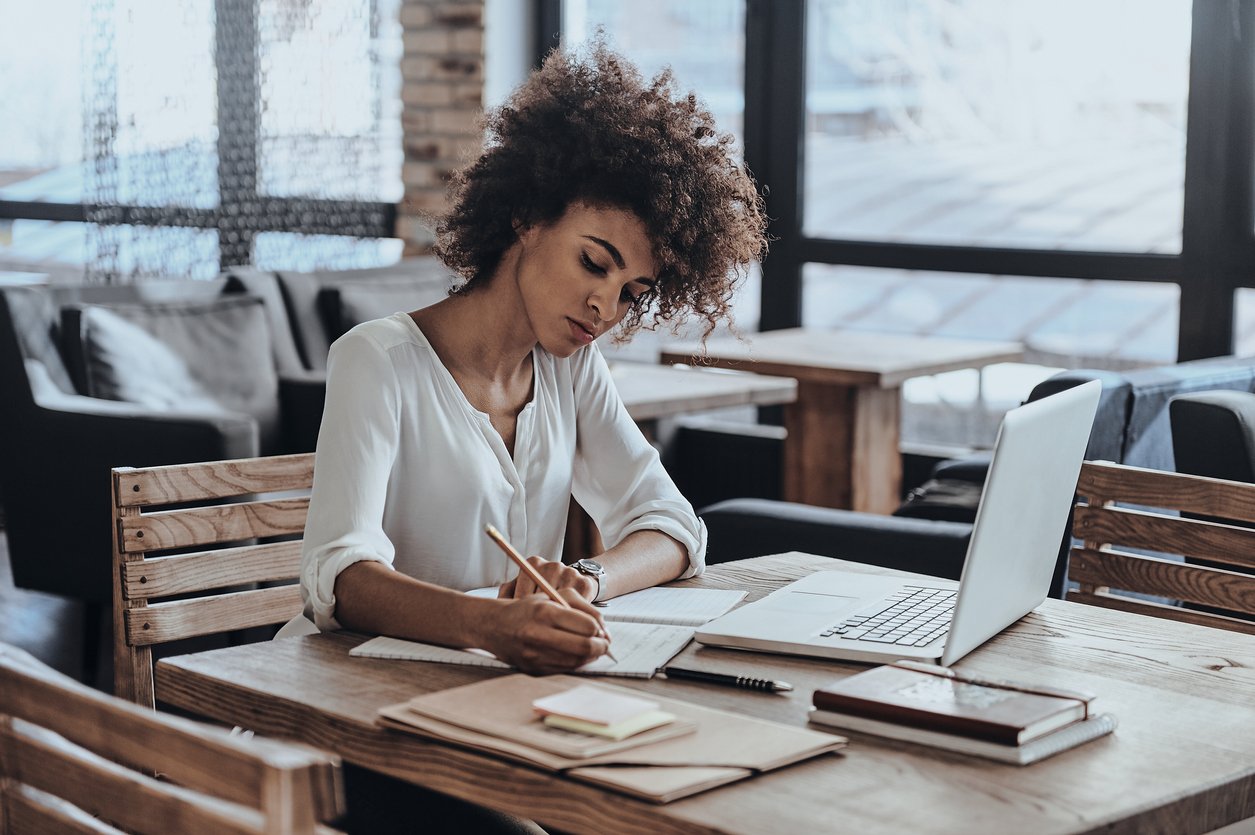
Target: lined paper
[(677, 607)]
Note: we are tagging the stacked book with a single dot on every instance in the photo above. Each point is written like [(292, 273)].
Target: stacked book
[(936, 706)]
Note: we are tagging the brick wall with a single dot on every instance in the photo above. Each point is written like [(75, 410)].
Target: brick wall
[(442, 94)]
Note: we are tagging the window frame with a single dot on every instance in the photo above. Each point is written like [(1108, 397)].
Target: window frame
[(237, 109), (1218, 223)]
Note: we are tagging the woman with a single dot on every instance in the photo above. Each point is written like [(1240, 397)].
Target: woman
[(599, 201)]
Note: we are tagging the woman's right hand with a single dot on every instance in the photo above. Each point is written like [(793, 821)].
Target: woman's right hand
[(538, 636)]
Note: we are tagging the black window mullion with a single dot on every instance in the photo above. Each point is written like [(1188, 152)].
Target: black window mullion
[(1113, 266), (548, 28), (1216, 242), (239, 134), (775, 109)]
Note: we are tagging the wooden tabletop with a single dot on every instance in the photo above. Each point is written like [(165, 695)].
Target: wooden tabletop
[(653, 391), (858, 358), (1182, 760)]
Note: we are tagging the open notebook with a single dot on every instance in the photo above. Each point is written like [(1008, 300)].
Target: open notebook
[(647, 628)]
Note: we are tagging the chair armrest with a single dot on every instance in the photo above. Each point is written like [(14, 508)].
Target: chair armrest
[(67, 452), (1213, 434), (740, 528), (301, 401)]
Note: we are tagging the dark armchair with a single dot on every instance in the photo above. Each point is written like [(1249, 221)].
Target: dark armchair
[(56, 441)]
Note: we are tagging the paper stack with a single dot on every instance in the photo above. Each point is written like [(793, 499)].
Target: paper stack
[(595, 711)]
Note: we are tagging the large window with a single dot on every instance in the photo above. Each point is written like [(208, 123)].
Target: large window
[(177, 137), (1075, 175), (1045, 125)]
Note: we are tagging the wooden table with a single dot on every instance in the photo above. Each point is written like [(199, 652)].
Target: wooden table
[(651, 391), (1182, 760), (844, 427)]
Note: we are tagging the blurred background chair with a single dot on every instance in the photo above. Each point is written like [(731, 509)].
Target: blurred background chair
[(73, 759)]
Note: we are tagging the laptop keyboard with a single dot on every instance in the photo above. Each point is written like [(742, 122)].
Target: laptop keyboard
[(912, 616)]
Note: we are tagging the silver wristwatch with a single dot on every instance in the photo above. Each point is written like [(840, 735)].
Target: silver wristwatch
[(591, 568)]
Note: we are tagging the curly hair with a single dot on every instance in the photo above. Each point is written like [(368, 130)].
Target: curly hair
[(590, 130)]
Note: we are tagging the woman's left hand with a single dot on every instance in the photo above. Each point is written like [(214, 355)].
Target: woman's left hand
[(558, 575)]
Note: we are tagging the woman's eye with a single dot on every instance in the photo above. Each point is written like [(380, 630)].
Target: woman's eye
[(590, 265), (626, 295)]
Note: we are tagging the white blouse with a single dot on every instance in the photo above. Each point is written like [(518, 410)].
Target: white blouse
[(407, 472)]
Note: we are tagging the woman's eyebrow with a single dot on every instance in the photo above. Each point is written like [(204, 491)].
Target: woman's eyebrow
[(610, 248)]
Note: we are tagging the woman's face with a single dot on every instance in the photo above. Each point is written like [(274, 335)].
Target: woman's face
[(579, 275)]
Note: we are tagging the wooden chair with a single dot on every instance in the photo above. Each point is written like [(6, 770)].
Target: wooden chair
[(185, 542), (1224, 541), (73, 759)]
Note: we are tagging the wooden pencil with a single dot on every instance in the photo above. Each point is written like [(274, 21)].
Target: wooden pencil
[(534, 575)]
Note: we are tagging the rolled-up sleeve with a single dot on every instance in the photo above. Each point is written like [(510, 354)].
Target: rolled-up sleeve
[(619, 479), (357, 445)]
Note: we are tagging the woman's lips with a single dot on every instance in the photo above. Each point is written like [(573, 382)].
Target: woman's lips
[(582, 334)]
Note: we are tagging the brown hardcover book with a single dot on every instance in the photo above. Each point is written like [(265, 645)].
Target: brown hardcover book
[(937, 699)]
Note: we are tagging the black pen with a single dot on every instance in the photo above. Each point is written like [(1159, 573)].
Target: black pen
[(731, 681)]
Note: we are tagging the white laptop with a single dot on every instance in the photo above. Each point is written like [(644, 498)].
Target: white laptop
[(1010, 561)]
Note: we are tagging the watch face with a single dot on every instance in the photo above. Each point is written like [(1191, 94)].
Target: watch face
[(590, 566)]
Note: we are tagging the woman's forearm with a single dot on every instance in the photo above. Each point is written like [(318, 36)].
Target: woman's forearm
[(641, 560), (371, 597)]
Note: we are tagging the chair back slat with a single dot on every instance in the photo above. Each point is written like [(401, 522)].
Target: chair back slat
[(133, 802), (216, 510), (192, 527), (1170, 534), (63, 743), (197, 482), (38, 813), (185, 573), (1164, 578), (1155, 488), (1194, 562), (1161, 610), (159, 623)]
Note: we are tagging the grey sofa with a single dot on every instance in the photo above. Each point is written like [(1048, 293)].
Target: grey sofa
[(99, 376)]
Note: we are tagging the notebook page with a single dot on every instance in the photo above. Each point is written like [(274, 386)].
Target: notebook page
[(640, 648)]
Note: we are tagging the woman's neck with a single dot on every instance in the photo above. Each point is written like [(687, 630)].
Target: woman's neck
[(483, 333)]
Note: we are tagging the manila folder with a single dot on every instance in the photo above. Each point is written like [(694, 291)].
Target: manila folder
[(495, 716)]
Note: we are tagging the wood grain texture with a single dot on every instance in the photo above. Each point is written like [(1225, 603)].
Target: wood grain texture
[(1163, 578), (1192, 494), (196, 482), (1161, 610), (1104, 563), (192, 527), (652, 391), (833, 357), (159, 623), (31, 812), (218, 507), (131, 801), (62, 738), (184, 573), (1133, 528), (1191, 774)]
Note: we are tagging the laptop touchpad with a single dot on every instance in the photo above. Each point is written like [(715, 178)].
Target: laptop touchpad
[(810, 602)]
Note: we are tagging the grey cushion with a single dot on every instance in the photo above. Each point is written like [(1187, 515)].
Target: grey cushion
[(310, 316), (203, 355), (348, 305)]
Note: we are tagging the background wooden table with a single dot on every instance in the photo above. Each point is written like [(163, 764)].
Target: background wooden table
[(1182, 760), (652, 391), (845, 426)]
